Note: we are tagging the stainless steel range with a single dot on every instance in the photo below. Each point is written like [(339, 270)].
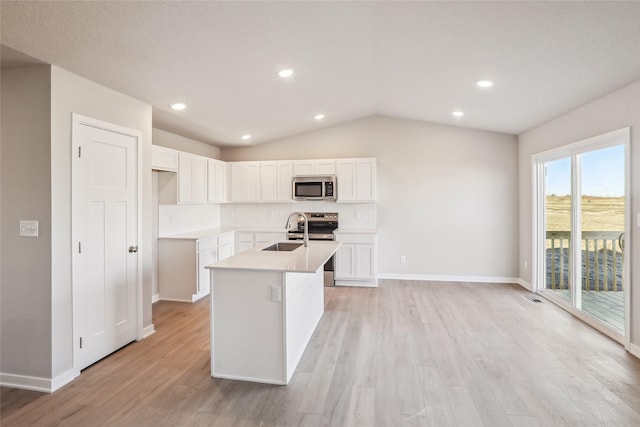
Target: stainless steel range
[(321, 226)]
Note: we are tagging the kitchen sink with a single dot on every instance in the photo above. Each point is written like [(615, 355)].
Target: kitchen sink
[(282, 247)]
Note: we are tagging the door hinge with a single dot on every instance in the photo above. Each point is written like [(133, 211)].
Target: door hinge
[(79, 151), (80, 342), (79, 247)]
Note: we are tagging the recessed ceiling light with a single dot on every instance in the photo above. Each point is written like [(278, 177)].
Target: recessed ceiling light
[(458, 113), (319, 117), (484, 83), (285, 73), (246, 137), (178, 106)]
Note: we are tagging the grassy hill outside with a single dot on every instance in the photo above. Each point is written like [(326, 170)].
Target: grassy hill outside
[(598, 213)]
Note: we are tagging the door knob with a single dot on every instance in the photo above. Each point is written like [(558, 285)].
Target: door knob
[(133, 249)]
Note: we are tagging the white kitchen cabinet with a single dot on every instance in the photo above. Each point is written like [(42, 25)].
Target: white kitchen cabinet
[(356, 180), (164, 159), (182, 275), (314, 167), (275, 181), (216, 181), (192, 178), (245, 181), (355, 260)]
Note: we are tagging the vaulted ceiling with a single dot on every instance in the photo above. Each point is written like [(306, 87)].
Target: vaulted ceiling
[(417, 60)]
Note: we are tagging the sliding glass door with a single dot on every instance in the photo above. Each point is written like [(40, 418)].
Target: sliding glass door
[(581, 223)]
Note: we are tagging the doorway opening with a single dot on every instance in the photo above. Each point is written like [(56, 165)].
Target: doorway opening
[(581, 220)]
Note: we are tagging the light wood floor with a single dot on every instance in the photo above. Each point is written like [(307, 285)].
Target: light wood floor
[(405, 354)]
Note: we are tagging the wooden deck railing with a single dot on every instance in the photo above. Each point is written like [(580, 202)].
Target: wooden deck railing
[(601, 260)]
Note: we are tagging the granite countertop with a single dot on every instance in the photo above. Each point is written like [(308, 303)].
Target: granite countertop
[(301, 260)]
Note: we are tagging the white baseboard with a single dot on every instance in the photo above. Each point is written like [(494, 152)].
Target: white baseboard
[(148, 331), (44, 385), (634, 349), (176, 300), (525, 284), (446, 278), (155, 298), (357, 283)]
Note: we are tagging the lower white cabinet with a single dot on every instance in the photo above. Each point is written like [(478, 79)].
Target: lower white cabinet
[(182, 275), (356, 260)]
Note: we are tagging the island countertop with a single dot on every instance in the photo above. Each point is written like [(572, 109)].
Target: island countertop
[(301, 260)]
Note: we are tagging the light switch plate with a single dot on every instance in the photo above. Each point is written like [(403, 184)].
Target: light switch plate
[(29, 228)]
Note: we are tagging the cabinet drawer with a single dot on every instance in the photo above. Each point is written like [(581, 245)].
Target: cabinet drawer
[(206, 244), (364, 238), (225, 239)]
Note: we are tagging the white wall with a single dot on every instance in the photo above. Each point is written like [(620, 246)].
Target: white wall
[(447, 196), (614, 111), (177, 142), (73, 94), (25, 294)]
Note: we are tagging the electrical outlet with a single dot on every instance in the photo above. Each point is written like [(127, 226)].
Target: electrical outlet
[(29, 228), (403, 259), (276, 293)]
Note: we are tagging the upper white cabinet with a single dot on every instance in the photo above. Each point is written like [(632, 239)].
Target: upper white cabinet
[(314, 167), (356, 180), (217, 181), (164, 159), (275, 181), (192, 178), (245, 181)]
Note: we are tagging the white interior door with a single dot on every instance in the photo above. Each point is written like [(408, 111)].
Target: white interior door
[(105, 182)]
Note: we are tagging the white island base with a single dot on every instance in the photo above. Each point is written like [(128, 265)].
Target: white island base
[(262, 321)]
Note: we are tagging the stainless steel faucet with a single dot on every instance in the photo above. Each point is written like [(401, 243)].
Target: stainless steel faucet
[(306, 225)]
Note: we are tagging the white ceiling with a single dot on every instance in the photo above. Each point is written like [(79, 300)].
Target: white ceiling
[(417, 60)]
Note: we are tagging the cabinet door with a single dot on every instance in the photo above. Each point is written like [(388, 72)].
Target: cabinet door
[(192, 178), (252, 182), (345, 262), (217, 181), (269, 181), (164, 159), (285, 173), (365, 261), (225, 251), (365, 179), (237, 182), (205, 258), (303, 167), (346, 180), (324, 167)]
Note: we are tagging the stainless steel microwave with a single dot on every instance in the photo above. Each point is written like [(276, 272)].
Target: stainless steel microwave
[(314, 187)]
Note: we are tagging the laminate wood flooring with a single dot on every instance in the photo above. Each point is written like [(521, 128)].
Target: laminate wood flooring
[(404, 354)]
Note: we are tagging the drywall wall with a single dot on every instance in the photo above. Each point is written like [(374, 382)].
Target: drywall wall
[(447, 196), (73, 94), (614, 111), (25, 295), (177, 142)]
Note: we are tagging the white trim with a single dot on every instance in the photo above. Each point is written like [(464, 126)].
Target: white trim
[(357, 283), (446, 278), (155, 298), (176, 300), (148, 331), (634, 349), (77, 120), (44, 385), (525, 285), (249, 379)]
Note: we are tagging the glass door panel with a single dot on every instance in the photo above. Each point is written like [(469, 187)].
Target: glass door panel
[(557, 222), (602, 220)]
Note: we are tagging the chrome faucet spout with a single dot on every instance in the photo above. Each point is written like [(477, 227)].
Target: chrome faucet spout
[(306, 225)]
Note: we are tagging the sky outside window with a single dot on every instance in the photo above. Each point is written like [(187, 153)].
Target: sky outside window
[(605, 177)]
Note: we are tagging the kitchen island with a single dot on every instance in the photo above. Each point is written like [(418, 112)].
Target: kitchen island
[(265, 305)]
